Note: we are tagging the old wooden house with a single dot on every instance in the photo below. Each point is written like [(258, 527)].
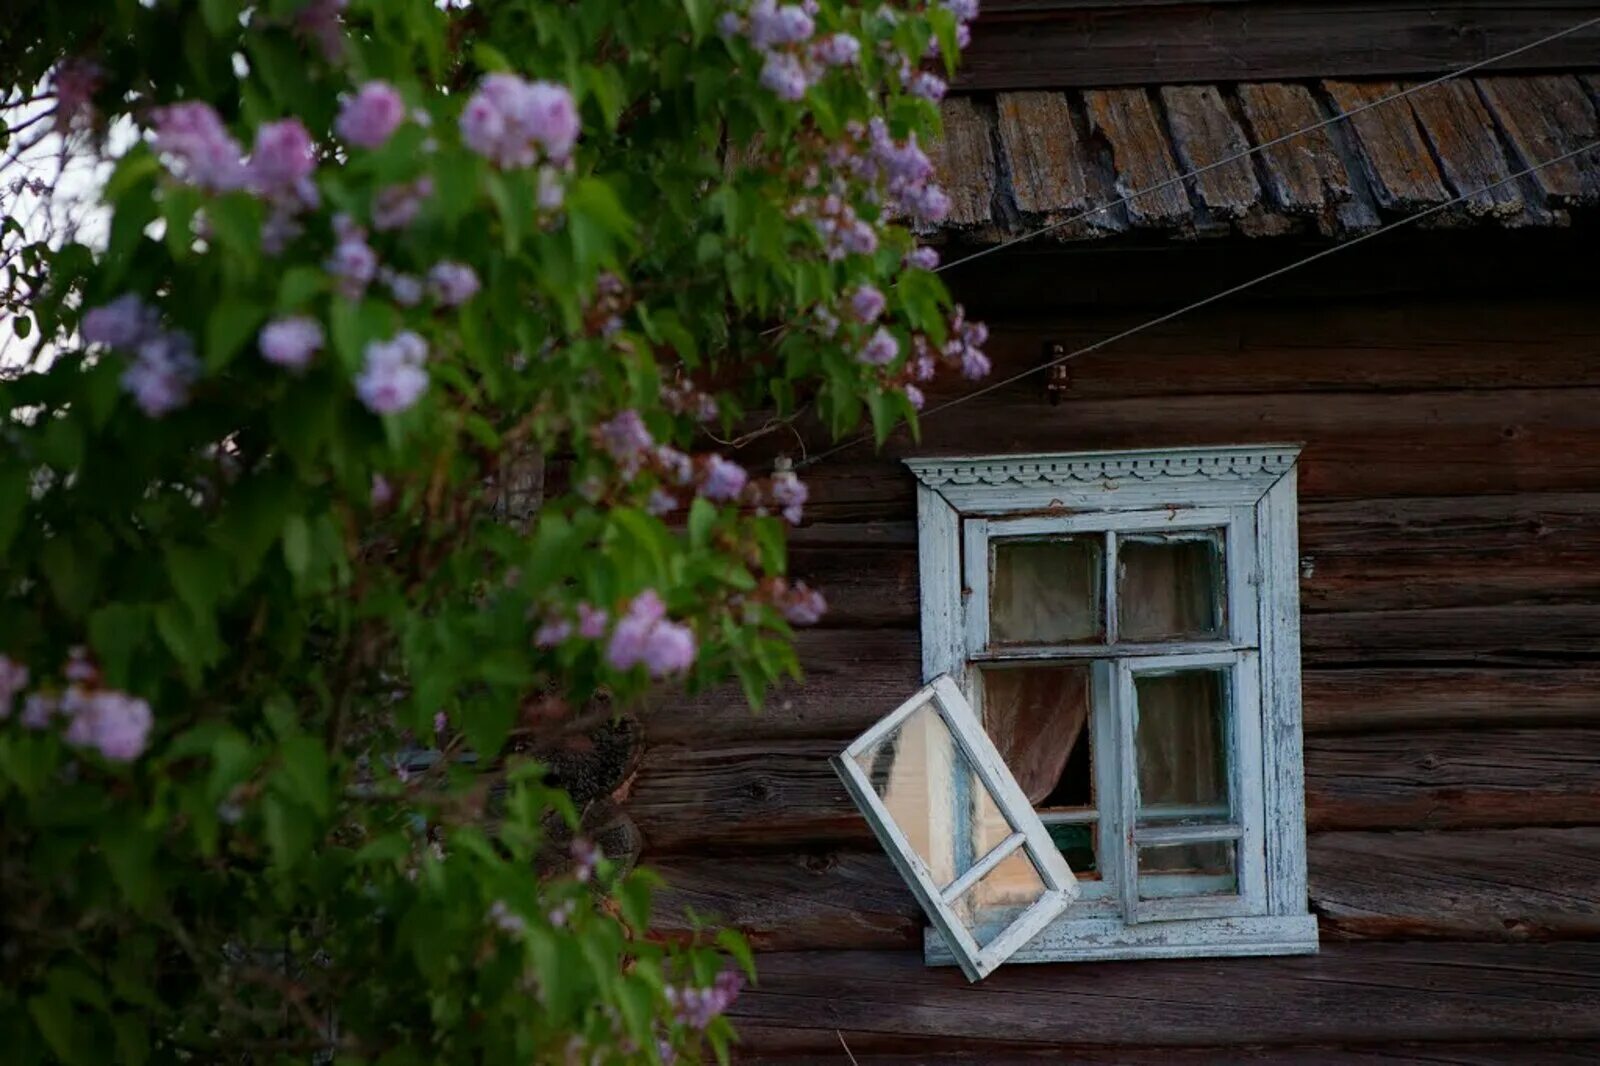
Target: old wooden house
[(1281, 611)]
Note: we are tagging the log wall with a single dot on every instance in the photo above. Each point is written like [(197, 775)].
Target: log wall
[(1450, 540)]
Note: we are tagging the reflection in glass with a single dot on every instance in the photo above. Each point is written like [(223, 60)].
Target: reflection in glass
[(933, 794), (1181, 747), (1047, 591), (990, 905), (1170, 587), (1170, 870)]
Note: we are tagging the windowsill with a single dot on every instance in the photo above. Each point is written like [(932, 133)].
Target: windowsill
[(1099, 939)]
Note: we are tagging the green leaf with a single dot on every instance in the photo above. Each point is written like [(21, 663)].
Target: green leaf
[(699, 12), (229, 325), (305, 773), (21, 325), (288, 831), (702, 517), (14, 498), (734, 943), (222, 16), (299, 285), (116, 632), (199, 576), (130, 852), (178, 206), (53, 1014), (297, 545)]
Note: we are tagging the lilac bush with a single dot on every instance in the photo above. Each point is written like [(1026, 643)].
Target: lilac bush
[(289, 632)]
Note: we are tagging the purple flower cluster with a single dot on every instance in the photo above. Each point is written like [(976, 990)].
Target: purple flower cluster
[(503, 918), (923, 258), (291, 342), (164, 365), (907, 173), (392, 378), (198, 147), (926, 85), (319, 20), (452, 284), (803, 605), (517, 123), (790, 494), (965, 344), (585, 857), (643, 635), (113, 723), (722, 480), (867, 303), (627, 439), (696, 1007), (881, 348), (353, 263), (841, 231), (75, 82), (397, 206), (792, 62), (281, 165), (369, 118)]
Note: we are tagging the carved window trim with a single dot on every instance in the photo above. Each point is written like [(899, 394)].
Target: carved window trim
[(1254, 488)]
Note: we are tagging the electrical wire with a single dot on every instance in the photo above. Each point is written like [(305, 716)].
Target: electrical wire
[(1206, 301), (1263, 146)]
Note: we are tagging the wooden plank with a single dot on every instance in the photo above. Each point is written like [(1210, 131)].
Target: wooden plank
[(1205, 135), (1368, 992), (762, 1044), (1305, 170), (1127, 121), (1543, 118), (1177, 42), (1051, 171), (1485, 885), (782, 793), (1453, 779), (1394, 153), (1366, 699), (1463, 137), (964, 163), (1509, 636), (1495, 884)]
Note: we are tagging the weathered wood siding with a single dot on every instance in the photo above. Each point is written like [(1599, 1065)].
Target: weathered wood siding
[(1450, 583)]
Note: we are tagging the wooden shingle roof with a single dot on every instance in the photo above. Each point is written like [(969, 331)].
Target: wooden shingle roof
[(1015, 161)]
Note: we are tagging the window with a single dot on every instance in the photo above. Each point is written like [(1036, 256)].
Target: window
[(1125, 627)]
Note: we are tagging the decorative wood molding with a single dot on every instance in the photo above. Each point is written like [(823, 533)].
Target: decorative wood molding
[(1106, 480)]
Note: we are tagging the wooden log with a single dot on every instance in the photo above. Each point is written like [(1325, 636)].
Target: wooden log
[(1372, 993), (1052, 174), (1544, 118), (763, 1044), (1511, 636), (1485, 885), (1119, 43), (1304, 167), (1463, 137), (964, 162), (1208, 140), (1393, 151), (1366, 700), (1145, 170), (782, 793), (1453, 779)]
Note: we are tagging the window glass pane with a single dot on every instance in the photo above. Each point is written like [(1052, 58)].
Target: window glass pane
[(1079, 844), (1038, 718), (934, 795), (1171, 870), (1181, 747), (992, 904), (1047, 591), (1170, 587)]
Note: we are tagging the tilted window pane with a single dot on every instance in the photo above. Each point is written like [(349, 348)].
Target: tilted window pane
[(934, 795), (1181, 746), (1047, 591), (1171, 587), (1168, 871), (994, 902)]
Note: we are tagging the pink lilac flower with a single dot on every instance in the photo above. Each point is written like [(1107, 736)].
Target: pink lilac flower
[(923, 258), (80, 667), (397, 206), (504, 919), (353, 264), (785, 75), (669, 649), (625, 438), (585, 856), (771, 25), (561, 914), (382, 493), (441, 723), (392, 378), (552, 632), (114, 723), (369, 118), (407, 289), (13, 679), (38, 709), (880, 350), (805, 606), (279, 230), (661, 502), (913, 396), (319, 20), (75, 82), (696, 1007), (789, 493), (198, 147), (552, 191), (125, 322), (837, 50), (510, 121), (723, 480), (928, 86), (866, 303), (963, 10), (643, 635), (591, 621), (162, 373), (859, 238), (452, 283), (292, 341), (281, 165)]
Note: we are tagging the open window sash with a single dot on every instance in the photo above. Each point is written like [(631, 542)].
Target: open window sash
[(957, 826)]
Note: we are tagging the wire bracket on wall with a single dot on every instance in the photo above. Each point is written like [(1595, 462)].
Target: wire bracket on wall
[(1060, 377)]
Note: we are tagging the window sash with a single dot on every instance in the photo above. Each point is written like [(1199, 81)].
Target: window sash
[(938, 900)]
